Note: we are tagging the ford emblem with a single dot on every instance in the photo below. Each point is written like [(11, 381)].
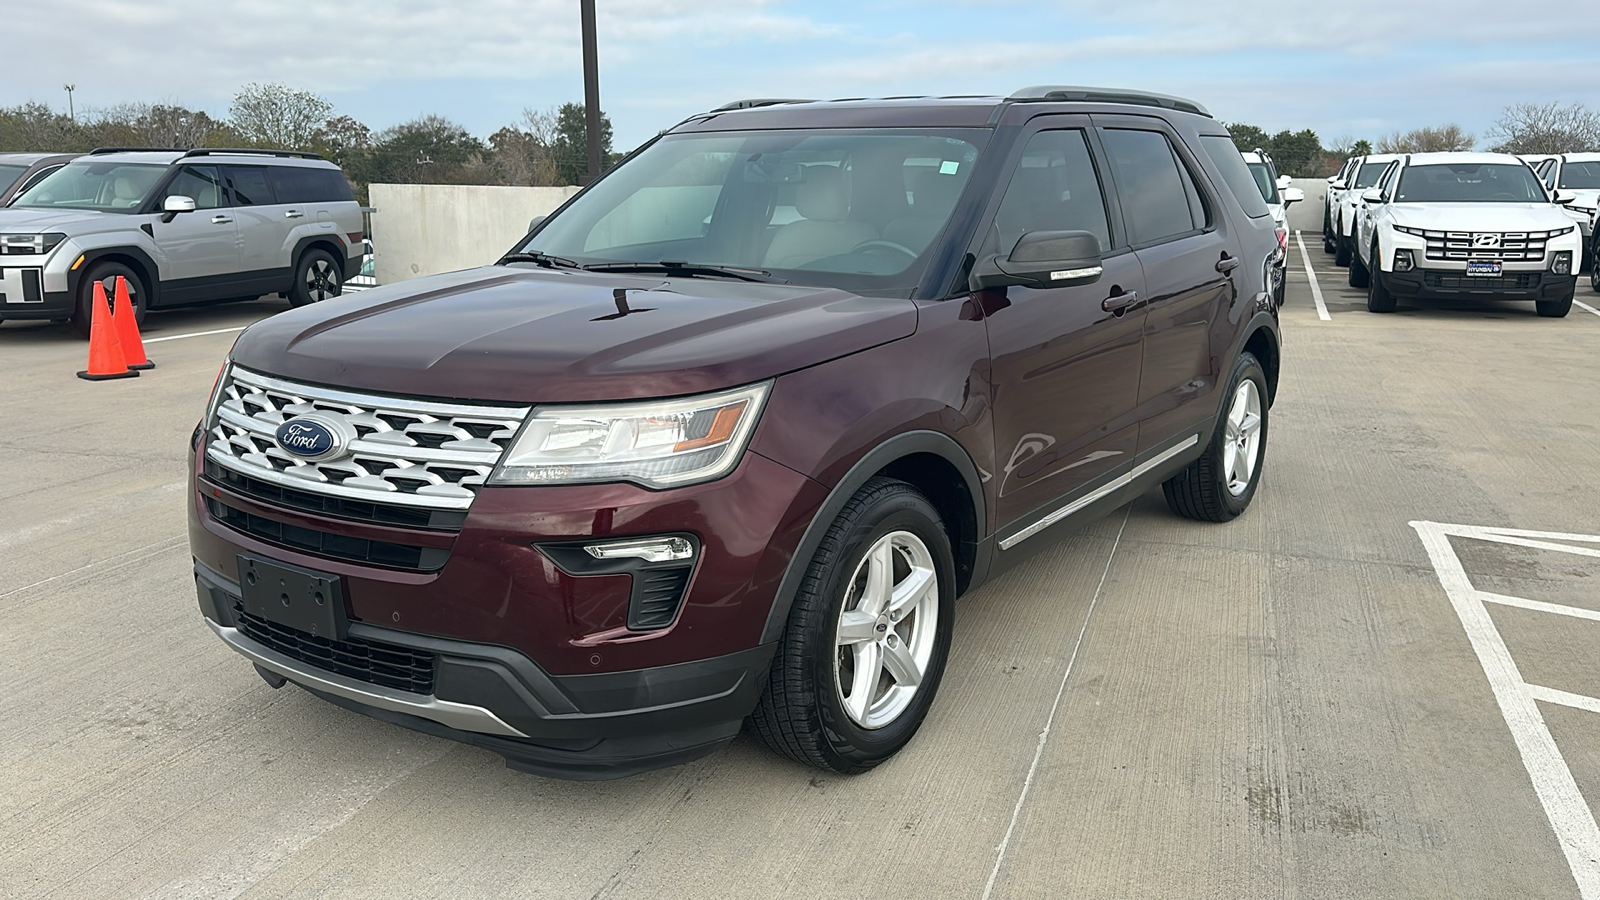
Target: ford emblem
[(309, 439)]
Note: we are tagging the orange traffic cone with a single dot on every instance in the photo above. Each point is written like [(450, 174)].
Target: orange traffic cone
[(127, 328), (105, 353)]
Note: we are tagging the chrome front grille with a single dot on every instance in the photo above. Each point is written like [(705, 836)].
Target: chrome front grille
[(1505, 246), (412, 453)]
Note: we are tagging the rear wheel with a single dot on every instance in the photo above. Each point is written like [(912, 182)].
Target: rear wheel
[(1594, 268), (1358, 275), (317, 278), (1341, 250), (867, 637), (105, 273), (1219, 485), (1555, 309)]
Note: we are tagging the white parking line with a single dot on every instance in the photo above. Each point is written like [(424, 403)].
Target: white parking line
[(179, 337), (1587, 306), (1316, 289), (1569, 815)]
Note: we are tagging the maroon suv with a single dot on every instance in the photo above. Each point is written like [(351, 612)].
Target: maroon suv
[(727, 435)]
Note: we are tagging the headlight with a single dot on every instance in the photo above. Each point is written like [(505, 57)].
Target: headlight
[(29, 244), (656, 443), (1403, 229)]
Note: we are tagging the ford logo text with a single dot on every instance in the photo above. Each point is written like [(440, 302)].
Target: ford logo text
[(307, 439)]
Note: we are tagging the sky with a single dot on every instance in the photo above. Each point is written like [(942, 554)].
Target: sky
[(1351, 69)]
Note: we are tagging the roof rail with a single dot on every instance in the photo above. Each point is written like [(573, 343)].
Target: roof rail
[(1108, 95), (757, 102), (99, 150), (246, 151)]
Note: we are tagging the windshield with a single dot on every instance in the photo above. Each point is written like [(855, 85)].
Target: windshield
[(851, 209), (1264, 181), (103, 186), (1469, 183), (9, 176), (1577, 176), (1369, 174)]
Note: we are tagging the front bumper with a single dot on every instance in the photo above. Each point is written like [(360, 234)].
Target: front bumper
[(578, 726), (1429, 283), (24, 294)]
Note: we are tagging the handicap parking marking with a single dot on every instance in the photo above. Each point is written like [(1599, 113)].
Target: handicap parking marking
[(1568, 812), (1311, 274)]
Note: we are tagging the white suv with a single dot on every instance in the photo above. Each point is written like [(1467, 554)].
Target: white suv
[(1330, 204), (1360, 177), (1464, 225), (1575, 179), (1276, 190), (182, 227)]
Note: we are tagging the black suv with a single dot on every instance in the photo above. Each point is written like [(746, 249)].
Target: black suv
[(725, 436)]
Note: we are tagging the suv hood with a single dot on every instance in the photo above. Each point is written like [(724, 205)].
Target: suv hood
[(1481, 216), (20, 220), (523, 335)]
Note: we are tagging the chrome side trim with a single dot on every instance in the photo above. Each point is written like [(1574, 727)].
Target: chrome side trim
[(460, 716), (1099, 493)]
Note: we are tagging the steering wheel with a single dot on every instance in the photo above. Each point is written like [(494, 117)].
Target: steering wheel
[(886, 245)]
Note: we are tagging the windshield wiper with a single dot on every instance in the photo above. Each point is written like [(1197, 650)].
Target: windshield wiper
[(541, 258), (680, 268)]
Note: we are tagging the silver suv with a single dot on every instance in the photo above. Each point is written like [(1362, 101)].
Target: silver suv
[(183, 227)]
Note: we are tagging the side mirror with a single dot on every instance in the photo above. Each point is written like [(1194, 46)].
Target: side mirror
[(1284, 181), (175, 204), (535, 222), (1042, 259), (1293, 195), (1373, 195), (1563, 197)]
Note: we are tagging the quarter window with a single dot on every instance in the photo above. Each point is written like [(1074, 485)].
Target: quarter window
[(305, 184), (1054, 188), (1158, 198)]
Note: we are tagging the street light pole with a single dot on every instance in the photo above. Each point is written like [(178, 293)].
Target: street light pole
[(591, 88), (71, 113)]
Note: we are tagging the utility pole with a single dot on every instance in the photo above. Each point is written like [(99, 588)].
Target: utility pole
[(591, 88), (71, 113)]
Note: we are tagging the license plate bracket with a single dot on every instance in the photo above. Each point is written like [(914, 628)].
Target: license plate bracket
[(302, 599), (1483, 269)]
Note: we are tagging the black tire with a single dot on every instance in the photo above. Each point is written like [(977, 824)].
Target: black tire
[(1594, 268), (1327, 229), (1202, 490), (1379, 300), (1555, 309), (801, 713), (317, 277), (1341, 251), (106, 272), (1358, 275)]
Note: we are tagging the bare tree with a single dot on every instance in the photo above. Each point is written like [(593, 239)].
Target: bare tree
[(1444, 139), (1547, 128), (161, 125), (274, 115)]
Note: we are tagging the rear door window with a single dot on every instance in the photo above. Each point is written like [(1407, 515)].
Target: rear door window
[(250, 187), (1158, 198)]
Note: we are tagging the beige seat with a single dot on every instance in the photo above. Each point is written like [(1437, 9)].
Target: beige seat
[(823, 198), (124, 193)]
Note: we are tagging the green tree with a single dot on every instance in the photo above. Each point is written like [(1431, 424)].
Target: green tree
[(571, 144), (1297, 153), (1248, 137)]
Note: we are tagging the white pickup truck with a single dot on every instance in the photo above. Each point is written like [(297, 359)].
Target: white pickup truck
[(1576, 177), (1363, 176), (1463, 226)]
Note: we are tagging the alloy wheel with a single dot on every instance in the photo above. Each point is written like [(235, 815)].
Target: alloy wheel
[(322, 282), (888, 626), (1241, 437)]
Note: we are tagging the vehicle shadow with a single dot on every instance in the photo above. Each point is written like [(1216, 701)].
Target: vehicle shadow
[(156, 324)]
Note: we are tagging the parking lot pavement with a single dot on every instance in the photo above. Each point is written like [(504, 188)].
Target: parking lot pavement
[(1285, 706)]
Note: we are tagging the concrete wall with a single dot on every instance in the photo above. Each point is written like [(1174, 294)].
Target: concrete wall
[(424, 229), (1307, 216)]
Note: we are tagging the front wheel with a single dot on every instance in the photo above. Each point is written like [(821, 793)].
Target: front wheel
[(1341, 250), (1358, 275), (861, 658), (1379, 300), (1594, 269), (317, 278), (105, 274), (1219, 485), (1554, 309)]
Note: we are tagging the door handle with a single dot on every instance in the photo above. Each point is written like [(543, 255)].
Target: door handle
[(220, 220), (293, 214), (1118, 302), (1227, 263)]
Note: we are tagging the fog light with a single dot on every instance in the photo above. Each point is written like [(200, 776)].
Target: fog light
[(1403, 261), (1563, 263), (650, 549)]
